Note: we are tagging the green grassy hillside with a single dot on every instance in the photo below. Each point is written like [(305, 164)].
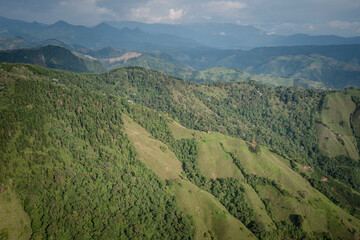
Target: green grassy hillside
[(208, 215), (337, 113), (210, 218), (278, 196), (153, 152), (277, 193), (14, 222)]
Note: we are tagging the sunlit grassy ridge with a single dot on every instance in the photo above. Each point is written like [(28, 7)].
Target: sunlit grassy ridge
[(14, 222), (291, 195), (288, 195), (208, 215), (338, 111), (155, 154)]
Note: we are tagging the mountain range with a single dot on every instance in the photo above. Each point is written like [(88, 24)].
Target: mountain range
[(140, 36), (233, 36), (102, 35)]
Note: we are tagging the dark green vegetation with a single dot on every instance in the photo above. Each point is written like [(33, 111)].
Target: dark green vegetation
[(64, 152), (69, 158), (52, 57)]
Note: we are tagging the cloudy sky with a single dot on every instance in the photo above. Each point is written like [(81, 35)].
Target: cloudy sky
[(341, 17)]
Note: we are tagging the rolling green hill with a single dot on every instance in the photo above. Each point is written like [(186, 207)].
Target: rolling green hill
[(126, 154), (223, 74), (314, 67), (339, 117), (149, 62), (51, 57), (334, 65)]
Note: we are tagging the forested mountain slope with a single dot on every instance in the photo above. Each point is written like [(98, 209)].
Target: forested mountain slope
[(98, 156), (66, 155)]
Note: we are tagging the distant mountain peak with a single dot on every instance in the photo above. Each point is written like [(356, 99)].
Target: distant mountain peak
[(103, 25), (105, 28), (61, 23)]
